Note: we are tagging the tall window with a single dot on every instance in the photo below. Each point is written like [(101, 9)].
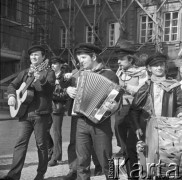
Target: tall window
[(90, 36), (19, 10), (146, 29), (63, 38), (9, 9), (92, 2), (31, 9), (171, 26), (114, 33)]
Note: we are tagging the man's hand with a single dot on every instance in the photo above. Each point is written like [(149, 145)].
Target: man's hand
[(71, 91), (139, 133), (111, 106), (179, 115), (36, 75), (11, 101), (67, 76)]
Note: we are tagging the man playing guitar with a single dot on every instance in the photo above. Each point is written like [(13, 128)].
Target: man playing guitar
[(37, 113)]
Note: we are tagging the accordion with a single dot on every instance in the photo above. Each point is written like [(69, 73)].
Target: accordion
[(93, 91)]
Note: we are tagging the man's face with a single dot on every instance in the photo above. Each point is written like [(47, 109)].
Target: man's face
[(158, 69), (36, 58), (56, 67), (86, 61), (124, 63)]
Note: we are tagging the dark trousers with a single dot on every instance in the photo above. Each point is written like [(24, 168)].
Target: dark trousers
[(57, 121), (50, 143), (90, 135), (121, 127), (127, 139), (72, 158), (38, 124)]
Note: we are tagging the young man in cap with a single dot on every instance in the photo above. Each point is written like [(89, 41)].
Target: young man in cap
[(89, 134), (131, 78), (159, 96), (72, 158), (58, 104), (37, 113)]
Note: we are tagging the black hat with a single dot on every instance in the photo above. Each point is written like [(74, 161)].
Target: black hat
[(157, 57), (87, 48), (56, 59), (124, 48), (36, 48)]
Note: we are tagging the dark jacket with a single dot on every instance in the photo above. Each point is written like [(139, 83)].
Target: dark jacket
[(43, 89), (60, 96), (142, 106)]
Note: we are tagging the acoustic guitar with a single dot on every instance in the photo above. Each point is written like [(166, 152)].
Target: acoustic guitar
[(23, 99)]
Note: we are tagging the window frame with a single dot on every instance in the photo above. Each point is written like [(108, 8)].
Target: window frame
[(115, 37), (61, 38), (168, 7), (93, 37), (171, 26)]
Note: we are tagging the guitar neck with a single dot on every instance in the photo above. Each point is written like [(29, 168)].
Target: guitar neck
[(28, 84)]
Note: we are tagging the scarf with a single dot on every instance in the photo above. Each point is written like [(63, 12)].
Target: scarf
[(165, 84), (131, 72), (40, 67)]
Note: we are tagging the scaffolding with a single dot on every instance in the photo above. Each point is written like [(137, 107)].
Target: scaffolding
[(99, 9), (40, 22)]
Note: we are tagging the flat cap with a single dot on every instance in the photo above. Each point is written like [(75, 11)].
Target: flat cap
[(125, 47), (56, 59), (157, 57), (36, 48), (87, 48)]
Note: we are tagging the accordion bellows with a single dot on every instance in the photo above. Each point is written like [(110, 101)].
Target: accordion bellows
[(93, 90)]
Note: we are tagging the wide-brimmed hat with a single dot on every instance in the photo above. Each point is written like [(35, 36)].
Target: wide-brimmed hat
[(125, 47)]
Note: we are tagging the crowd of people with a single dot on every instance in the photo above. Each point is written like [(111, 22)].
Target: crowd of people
[(145, 91)]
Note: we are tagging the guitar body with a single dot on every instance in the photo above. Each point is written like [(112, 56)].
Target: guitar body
[(22, 101)]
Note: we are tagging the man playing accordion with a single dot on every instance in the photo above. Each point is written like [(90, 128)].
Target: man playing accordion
[(89, 133)]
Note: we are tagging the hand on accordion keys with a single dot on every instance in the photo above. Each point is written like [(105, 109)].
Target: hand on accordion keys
[(111, 106), (180, 115), (71, 91)]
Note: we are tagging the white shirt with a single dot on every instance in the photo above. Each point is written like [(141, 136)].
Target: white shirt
[(158, 97)]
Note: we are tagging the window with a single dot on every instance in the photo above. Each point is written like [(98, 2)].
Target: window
[(146, 29), (19, 10), (90, 36), (114, 33), (92, 2), (171, 26), (9, 9), (31, 9), (63, 38)]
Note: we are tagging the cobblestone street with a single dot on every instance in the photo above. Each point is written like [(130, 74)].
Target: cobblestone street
[(8, 133)]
